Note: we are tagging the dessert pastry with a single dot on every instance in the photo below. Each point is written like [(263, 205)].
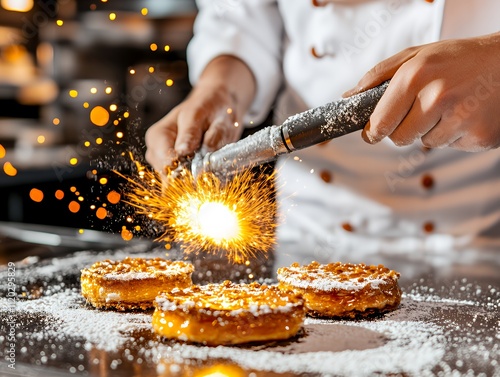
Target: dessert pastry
[(132, 283), (342, 289), (228, 313)]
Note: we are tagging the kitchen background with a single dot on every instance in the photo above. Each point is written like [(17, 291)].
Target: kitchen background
[(80, 81)]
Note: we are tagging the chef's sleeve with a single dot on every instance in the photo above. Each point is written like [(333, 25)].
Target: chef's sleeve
[(250, 30)]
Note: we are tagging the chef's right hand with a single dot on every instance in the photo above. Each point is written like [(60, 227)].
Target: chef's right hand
[(209, 118)]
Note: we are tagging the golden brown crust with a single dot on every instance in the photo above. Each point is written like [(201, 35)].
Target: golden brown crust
[(132, 283), (228, 313), (342, 290)]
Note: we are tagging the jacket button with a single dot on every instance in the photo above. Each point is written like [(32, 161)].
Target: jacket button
[(347, 227), (427, 181), (428, 227), (326, 176), (317, 3), (315, 53)]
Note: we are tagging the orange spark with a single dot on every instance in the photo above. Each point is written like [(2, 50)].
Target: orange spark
[(207, 215)]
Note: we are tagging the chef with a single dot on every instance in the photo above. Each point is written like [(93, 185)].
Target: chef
[(425, 169)]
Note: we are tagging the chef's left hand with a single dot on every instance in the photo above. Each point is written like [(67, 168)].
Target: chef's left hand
[(445, 93)]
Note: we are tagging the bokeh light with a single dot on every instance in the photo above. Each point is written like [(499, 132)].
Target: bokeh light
[(36, 195), (99, 116), (9, 169)]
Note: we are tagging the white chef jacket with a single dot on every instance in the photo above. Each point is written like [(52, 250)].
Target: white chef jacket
[(307, 53)]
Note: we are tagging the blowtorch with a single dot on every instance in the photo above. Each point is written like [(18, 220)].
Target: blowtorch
[(299, 131)]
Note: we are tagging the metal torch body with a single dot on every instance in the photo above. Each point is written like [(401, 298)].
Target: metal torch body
[(299, 131)]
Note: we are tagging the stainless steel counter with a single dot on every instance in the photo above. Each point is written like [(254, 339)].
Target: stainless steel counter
[(448, 323)]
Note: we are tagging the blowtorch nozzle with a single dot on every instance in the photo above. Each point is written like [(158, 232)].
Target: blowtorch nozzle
[(299, 131)]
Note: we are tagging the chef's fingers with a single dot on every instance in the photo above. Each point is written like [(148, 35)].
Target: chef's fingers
[(192, 123), (223, 130), (469, 135), (383, 71), (160, 140), (392, 108), (442, 135), (421, 118)]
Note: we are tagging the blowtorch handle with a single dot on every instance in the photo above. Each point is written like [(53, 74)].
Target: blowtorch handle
[(332, 120)]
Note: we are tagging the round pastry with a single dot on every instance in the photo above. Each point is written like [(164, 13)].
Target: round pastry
[(228, 313), (342, 289), (132, 283)]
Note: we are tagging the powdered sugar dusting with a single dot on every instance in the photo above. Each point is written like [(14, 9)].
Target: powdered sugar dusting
[(320, 283), (335, 276), (448, 330), (67, 316)]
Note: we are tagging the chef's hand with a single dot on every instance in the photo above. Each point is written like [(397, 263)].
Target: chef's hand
[(210, 117), (445, 93)]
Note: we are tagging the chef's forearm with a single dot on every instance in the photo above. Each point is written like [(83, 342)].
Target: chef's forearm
[(233, 75)]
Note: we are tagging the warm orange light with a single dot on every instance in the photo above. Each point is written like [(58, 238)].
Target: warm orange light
[(126, 114), (127, 234), (108, 90), (74, 206), (220, 370), (86, 105), (101, 213), (99, 116), (153, 46), (2, 151), (59, 194), (243, 209), (9, 169), (119, 135), (144, 11), (113, 197), (87, 144), (56, 121), (103, 180), (112, 16), (169, 82), (17, 5), (132, 71), (166, 48), (72, 189), (113, 107), (73, 161), (93, 90), (73, 93), (40, 139), (99, 140), (36, 195)]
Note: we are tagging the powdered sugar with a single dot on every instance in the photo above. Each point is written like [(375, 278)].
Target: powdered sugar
[(318, 282), (67, 317), (335, 276), (438, 330), (412, 347)]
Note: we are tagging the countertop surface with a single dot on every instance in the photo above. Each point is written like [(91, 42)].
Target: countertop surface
[(447, 324)]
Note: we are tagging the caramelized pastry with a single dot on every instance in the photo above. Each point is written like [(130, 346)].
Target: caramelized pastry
[(342, 289), (228, 313), (132, 283)]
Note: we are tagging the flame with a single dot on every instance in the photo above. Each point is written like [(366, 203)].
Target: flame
[(207, 215)]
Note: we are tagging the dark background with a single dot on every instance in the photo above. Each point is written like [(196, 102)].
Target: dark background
[(45, 60)]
